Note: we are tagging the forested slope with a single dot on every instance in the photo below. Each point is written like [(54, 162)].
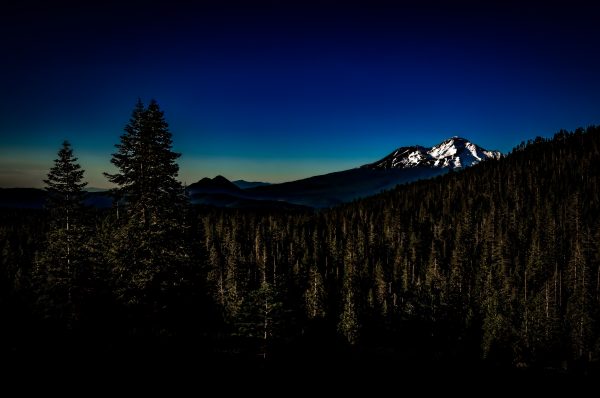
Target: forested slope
[(503, 256), (498, 262)]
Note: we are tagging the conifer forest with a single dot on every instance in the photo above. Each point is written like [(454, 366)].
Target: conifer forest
[(497, 264)]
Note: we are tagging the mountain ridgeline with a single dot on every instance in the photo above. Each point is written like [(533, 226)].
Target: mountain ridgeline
[(497, 263), (404, 165)]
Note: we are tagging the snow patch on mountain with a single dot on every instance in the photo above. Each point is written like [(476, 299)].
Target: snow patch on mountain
[(453, 153)]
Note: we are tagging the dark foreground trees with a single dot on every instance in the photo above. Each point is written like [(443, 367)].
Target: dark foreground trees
[(497, 262), (148, 253), (63, 269)]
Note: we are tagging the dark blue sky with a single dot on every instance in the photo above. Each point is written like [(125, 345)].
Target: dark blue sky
[(281, 90)]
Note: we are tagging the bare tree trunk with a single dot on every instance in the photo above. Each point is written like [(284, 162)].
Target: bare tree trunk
[(560, 288), (582, 310), (547, 304), (221, 288), (315, 294), (274, 272), (597, 283), (555, 289), (266, 326), (526, 304)]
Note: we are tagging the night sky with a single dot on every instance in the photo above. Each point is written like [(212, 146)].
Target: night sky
[(279, 90)]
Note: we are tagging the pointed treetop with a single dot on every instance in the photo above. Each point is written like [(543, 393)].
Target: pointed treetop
[(147, 167), (64, 182), (66, 174)]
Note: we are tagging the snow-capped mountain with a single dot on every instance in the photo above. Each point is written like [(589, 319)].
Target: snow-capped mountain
[(453, 153)]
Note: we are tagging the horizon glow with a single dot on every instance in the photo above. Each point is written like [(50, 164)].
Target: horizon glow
[(277, 92)]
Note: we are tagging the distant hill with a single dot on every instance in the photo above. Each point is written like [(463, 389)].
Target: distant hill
[(319, 191), (250, 184), (22, 198), (343, 186), (34, 198)]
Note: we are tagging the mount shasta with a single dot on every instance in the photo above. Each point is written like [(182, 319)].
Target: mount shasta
[(404, 165), (453, 153)]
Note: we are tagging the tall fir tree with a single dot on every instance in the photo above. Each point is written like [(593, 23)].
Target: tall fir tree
[(62, 269), (149, 254), (315, 295), (348, 324), (147, 177)]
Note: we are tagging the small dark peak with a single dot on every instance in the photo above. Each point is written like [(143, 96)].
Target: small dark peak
[(213, 185), (221, 180)]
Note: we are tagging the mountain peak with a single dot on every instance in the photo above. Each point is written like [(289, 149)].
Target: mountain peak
[(455, 138), (213, 185), (221, 180), (453, 153)]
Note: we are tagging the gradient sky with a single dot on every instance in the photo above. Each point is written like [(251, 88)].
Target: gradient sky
[(281, 90)]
